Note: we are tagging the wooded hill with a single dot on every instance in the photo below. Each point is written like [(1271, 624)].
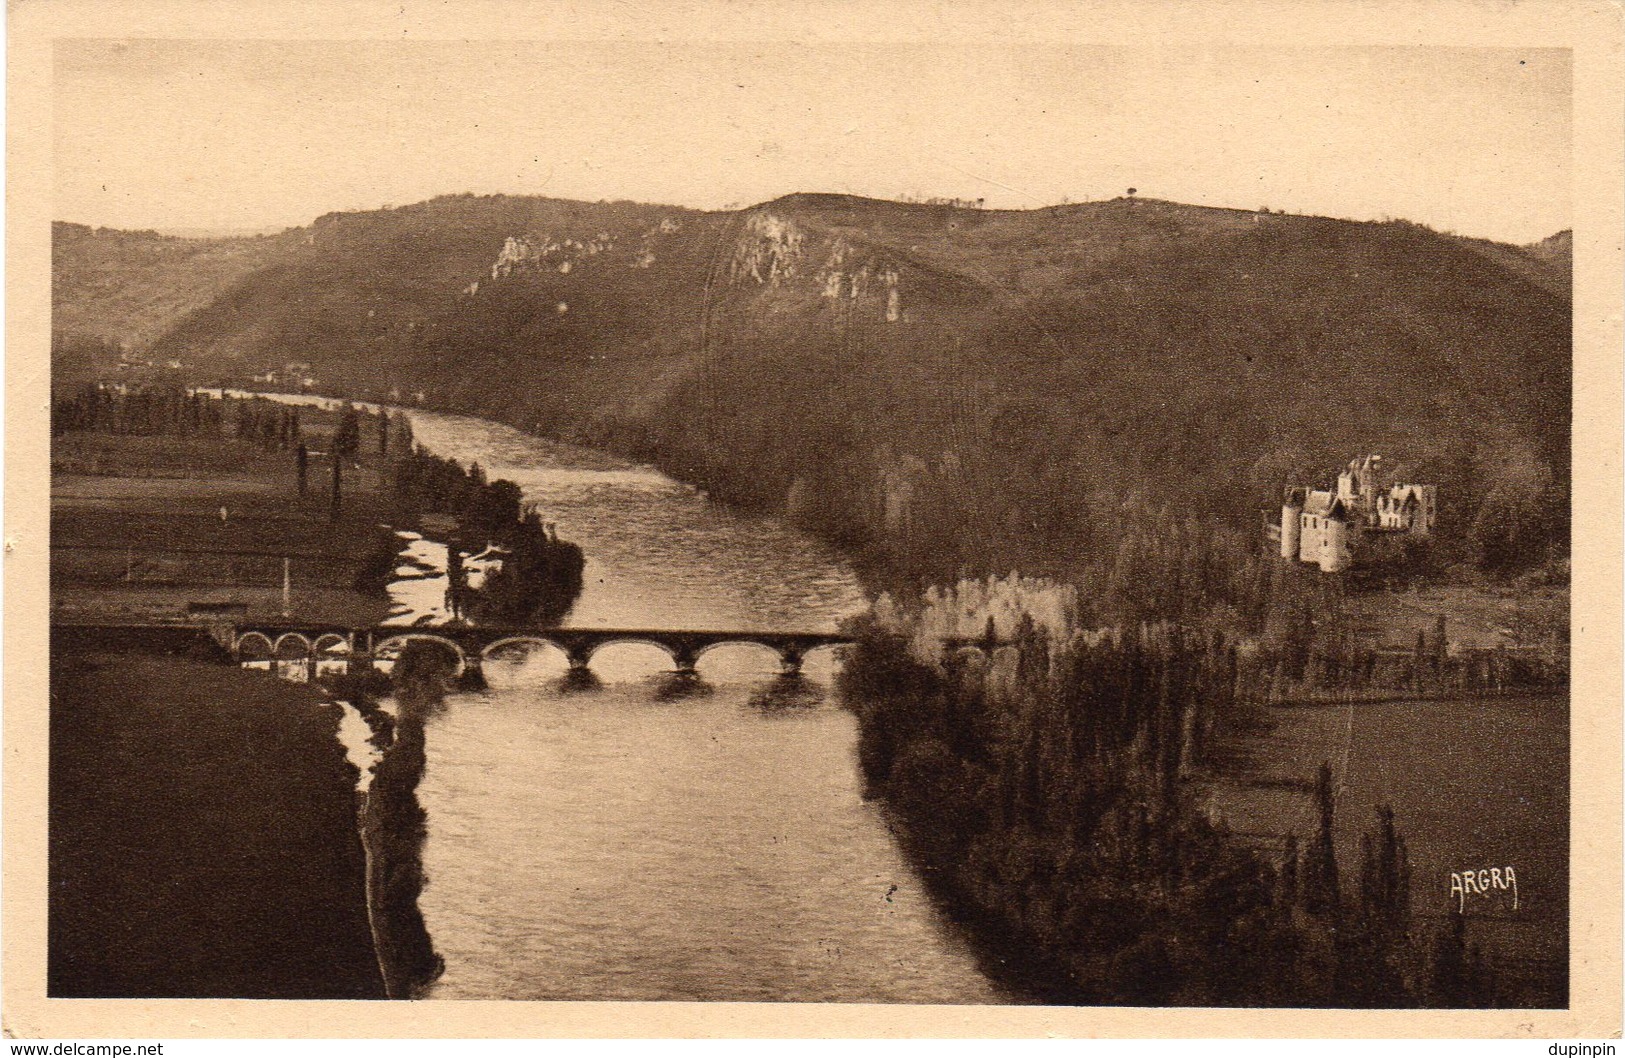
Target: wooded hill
[(944, 390)]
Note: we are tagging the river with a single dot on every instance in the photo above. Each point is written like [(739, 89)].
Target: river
[(631, 843)]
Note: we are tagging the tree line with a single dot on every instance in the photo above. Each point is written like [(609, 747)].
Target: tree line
[(1046, 792), (540, 576), (140, 410)]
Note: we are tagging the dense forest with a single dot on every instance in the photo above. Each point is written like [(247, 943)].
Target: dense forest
[(1044, 786), (944, 391)]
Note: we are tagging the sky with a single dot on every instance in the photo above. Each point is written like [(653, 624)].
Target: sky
[(256, 134)]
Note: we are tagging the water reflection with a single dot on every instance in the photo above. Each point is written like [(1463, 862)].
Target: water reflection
[(787, 694), (643, 843), (627, 832), (676, 686)]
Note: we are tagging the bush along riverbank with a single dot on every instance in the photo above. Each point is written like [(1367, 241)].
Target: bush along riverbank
[(539, 576), (392, 822), (1040, 789)]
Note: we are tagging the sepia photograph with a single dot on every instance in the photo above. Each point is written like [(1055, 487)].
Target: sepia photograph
[(1014, 522)]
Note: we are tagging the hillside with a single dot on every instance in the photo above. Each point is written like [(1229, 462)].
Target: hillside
[(117, 291), (941, 389), (1557, 251)]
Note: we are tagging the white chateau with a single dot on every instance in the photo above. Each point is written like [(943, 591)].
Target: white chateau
[(1333, 530)]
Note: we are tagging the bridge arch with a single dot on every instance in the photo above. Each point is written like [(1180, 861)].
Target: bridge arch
[(829, 650), (253, 646), (789, 659), (519, 659), (596, 645), (742, 641), (332, 643), (492, 647), (396, 644), (291, 646)]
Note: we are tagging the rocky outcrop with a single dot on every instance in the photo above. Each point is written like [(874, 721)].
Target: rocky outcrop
[(844, 277), (774, 250), (519, 255), (768, 251), (523, 254)]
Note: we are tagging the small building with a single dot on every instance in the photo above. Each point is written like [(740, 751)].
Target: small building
[(1409, 508), (439, 524)]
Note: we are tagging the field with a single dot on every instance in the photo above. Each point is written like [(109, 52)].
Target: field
[(202, 835), (203, 838), (144, 526), (1473, 784), (1478, 616)]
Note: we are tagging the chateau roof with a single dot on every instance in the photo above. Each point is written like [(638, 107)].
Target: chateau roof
[(1323, 504)]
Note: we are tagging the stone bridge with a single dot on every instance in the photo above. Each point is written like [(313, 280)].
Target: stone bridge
[(471, 645)]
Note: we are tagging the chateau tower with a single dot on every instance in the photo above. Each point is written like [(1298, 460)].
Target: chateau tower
[(1335, 555), (1291, 521)]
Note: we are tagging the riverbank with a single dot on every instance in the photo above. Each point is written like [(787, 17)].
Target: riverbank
[(169, 502), (1111, 822), (203, 835), (673, 557), (618, 844), (393, 823), (525, 574), (255, 874)]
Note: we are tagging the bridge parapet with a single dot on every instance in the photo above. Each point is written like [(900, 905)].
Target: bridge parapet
[(286, 642), (472, 644)]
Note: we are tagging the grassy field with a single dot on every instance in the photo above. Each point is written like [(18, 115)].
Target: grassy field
[(1480, 616), (1473, 784), (137, 530), (202, 836)]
